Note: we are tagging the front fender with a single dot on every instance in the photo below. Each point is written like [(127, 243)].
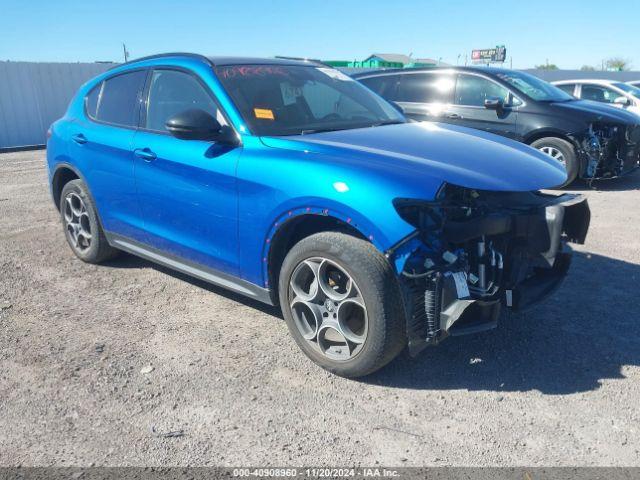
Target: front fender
[(275, 185)]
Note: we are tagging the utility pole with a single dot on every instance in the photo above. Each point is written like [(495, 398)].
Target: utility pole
[(125, 52)]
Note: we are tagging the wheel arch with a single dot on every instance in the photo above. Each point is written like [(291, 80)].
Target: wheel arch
[(545, 133), (290, 231), (63, 174)]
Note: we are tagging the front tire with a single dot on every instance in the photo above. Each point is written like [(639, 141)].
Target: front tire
[(81, 225), (342, 303), (561, 151)]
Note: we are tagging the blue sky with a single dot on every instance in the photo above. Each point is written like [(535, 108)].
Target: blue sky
[(569, 33)]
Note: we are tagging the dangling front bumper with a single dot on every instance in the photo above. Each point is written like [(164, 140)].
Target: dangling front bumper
[(507, 258)]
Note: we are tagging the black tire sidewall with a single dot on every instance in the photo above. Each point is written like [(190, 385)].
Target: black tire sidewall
[(568, 151), (92, 254), (376, 350)]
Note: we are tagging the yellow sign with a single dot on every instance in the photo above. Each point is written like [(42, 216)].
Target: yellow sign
[(263, 113)]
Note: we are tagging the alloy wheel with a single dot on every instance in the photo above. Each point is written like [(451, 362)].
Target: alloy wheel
[(554, 153), (328, 308), (77, 222)]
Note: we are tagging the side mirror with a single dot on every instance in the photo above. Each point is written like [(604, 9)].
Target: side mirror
[(494, 103), (624, 101), (196, 124)]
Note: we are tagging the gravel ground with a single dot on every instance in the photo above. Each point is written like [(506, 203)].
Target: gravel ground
[(131, 364)]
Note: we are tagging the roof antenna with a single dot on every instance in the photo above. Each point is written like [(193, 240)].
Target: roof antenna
[(126, 52)]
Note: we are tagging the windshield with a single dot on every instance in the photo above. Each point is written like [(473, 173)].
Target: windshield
[(635, 91), (535, 88), (297, 100)]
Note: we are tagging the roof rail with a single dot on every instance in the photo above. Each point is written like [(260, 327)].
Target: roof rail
[(171, 54), (319, 62)]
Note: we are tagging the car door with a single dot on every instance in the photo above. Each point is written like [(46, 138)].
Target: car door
[(101, 148), (186, 188), (426, 95), (468, 108)]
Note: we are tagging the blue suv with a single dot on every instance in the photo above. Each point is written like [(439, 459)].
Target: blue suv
[(290, 183)]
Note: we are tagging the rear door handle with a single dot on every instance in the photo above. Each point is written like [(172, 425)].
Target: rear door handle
[(79, 138), (145, 153)]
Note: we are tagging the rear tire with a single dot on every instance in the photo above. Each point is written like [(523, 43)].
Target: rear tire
[(561, 151), (81, 224), (359, 325)]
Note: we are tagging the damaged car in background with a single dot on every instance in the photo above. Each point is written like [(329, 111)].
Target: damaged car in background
[(291, 183), (591, 140)]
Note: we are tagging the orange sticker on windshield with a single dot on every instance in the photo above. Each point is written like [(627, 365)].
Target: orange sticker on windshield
[(263, 113)]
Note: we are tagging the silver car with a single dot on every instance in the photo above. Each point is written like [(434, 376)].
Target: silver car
[(617, 94)]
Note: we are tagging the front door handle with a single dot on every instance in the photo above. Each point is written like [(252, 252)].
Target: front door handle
[(79, 138), (453, 116), (145, 153)]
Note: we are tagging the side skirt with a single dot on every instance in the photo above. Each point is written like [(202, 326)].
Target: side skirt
[(201, 272)]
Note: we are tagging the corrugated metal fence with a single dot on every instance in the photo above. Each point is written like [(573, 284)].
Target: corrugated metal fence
[(34, 95)]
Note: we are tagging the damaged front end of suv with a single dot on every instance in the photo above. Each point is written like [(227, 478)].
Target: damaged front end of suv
[(475, 251)]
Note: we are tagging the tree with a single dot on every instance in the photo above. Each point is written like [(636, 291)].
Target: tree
[(617, 63), (588, 68), (547, 66)]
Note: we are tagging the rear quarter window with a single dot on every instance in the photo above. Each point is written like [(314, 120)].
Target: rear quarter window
[(91, 101), (118, 101)]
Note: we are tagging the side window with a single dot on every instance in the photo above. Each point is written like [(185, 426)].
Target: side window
[(426, 88), (172, 92), (383, 85), (91, 100), (472, 90), (119, 99), (568, 88), (324, 101), (598, 94)]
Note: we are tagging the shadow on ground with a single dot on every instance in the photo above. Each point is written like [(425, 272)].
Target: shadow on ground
[(126, 260), (582, 334)]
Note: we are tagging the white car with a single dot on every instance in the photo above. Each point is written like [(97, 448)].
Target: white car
[(618, 94)]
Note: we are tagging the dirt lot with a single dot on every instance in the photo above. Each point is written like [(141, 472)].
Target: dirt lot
[(558, 385)]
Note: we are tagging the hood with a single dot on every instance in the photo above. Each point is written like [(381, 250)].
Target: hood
[(457, 155), (596, 111)]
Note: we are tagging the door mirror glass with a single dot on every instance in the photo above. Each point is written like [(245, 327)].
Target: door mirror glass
[(196, 124), (493, 103)]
